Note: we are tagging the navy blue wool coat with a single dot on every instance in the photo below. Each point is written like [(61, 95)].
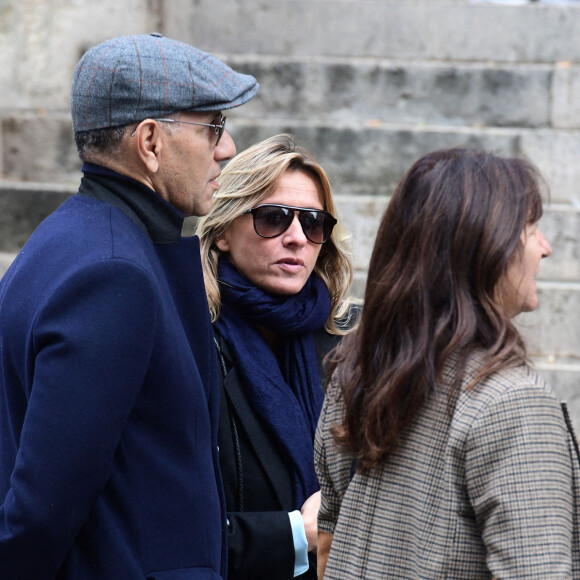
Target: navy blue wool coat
[(108, 396)]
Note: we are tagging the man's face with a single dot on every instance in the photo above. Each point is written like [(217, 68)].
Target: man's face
[(190, 162)]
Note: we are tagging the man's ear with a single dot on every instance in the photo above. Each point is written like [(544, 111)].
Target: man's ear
[(222, 244), (149, 143)]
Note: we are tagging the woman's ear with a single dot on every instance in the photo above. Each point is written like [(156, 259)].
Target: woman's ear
[(222, 243)]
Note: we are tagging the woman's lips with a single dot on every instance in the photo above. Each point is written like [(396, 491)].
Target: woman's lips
[(291, 264)]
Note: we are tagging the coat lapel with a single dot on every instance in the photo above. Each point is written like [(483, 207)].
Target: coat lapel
[(261, 441)]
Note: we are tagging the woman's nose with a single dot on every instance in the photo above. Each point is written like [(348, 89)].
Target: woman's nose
[(545, 245), (295, 233)]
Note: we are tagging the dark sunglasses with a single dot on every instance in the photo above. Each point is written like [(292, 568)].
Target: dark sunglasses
[(272, 219)]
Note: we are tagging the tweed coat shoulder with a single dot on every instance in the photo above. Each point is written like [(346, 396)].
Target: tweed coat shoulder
[(490, 489)]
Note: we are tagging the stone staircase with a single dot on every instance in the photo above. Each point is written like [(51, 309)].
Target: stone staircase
[(369, 86)]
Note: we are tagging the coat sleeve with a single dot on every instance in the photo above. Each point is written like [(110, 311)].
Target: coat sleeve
[(333, 469), (88, 351), (260, 546), (519, 479)]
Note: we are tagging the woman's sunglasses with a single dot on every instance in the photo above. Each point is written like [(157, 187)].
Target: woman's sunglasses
[(272, 219)]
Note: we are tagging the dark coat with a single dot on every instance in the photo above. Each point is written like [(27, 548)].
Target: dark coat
[(109, 397), (257, 482)]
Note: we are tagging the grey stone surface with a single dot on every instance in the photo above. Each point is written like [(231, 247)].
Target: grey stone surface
[(41, 42), (552, 329), (361, 216), (39, 150), (563, 376), (367, 158), (327, 84), (408, 31), (418, 93), (6, 258), (556, 153), (560, 224), (565, 103), (22, 208), (372, 159)]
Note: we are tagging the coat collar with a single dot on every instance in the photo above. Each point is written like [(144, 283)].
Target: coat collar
[(157, 218)]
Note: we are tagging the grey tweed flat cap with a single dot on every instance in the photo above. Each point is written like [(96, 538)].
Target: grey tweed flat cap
[(131, 78)]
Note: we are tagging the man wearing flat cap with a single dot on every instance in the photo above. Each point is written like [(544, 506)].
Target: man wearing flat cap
[(108, 378)]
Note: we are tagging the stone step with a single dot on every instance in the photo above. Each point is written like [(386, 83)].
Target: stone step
[(423, 93), (41, 43), (371, 158), (438, 30), (38, 150), (361, 215), (6, 258), (551, 330), (564, 376), (361, 157), (23, 206), (405, 30)]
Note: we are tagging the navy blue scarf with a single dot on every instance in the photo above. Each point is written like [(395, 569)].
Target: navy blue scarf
[(285, 391)]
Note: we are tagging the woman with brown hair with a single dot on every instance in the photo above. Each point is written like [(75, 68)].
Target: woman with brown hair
[(441, 453)]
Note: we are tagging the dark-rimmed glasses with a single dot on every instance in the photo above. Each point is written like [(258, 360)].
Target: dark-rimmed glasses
[(219, 129), (273, 219)]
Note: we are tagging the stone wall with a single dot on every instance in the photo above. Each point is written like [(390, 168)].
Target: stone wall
[(367, 85)]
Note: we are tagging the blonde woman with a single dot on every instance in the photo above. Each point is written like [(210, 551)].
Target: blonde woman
[(277, 274)]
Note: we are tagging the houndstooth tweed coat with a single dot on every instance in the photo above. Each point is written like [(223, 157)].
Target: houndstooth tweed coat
[(490, 489)]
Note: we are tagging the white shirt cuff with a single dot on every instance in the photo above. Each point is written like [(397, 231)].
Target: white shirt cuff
[(301, 563)]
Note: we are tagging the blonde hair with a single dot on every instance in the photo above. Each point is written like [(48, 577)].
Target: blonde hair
[(246, 181)]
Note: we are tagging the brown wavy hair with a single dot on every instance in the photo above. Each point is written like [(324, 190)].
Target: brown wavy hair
[(443, 246)]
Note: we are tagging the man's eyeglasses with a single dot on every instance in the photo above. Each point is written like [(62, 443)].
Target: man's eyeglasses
[(219, 129), (272, 220)]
